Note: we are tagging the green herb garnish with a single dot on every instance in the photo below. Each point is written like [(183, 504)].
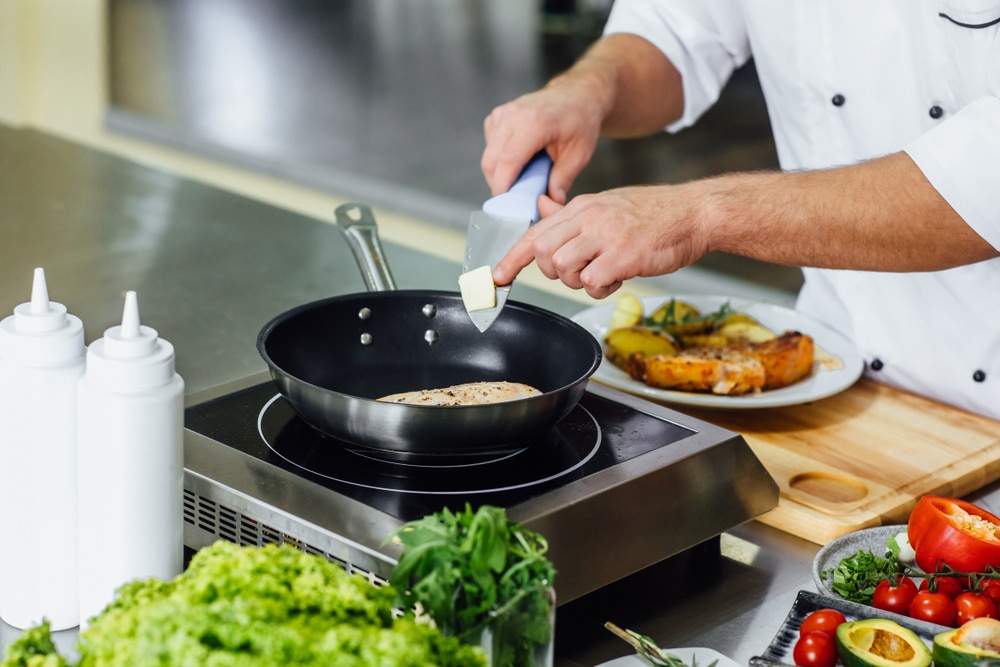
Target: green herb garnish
[(468, 568), (674, 315), (856, 576)]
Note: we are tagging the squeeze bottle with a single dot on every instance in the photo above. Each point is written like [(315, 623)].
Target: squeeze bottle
[(41, 361), (131, 421)]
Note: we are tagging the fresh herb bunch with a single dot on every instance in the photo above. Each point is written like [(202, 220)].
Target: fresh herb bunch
[(464, 569)]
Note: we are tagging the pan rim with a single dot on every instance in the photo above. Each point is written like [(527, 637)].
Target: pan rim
[(557, 319)]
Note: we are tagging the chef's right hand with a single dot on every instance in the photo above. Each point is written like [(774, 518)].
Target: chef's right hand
[(559, 118)]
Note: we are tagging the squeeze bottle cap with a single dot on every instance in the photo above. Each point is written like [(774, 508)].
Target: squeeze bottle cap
[(41, 332), (130, 339), (130, 356)]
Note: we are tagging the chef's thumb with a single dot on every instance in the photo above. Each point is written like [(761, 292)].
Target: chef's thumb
[(547, 206)]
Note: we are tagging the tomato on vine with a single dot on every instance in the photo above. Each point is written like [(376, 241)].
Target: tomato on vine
[(895, 598), (970, 605), (991, 589), (950, 586), (933, 607)]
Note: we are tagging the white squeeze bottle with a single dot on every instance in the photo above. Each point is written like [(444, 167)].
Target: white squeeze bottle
[(131, 425), (41, 361)]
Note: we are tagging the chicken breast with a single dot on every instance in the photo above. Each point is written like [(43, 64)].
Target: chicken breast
[(718, 370), (472, 393), (731, 370)]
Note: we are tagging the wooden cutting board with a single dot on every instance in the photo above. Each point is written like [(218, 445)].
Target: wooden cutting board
[(863, 457)]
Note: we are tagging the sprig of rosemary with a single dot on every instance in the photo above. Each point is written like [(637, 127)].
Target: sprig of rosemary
[(671, 318), (647, 648)]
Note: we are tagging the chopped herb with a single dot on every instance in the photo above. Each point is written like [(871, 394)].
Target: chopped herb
[(856, 576)]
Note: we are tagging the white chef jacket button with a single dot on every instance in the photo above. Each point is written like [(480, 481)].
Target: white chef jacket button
[(838, 100), (979, 376), (876, 364), (936, 112)]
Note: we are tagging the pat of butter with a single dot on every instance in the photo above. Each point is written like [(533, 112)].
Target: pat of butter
[(478, 290)]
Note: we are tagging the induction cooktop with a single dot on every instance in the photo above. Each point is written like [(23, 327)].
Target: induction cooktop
[(619, 484)]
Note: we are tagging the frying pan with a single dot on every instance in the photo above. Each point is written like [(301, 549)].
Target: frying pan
[(332, 358)]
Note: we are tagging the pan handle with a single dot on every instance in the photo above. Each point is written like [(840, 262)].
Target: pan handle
[(357, 223)]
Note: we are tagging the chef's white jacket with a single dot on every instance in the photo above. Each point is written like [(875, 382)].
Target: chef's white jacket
[(849, 80)]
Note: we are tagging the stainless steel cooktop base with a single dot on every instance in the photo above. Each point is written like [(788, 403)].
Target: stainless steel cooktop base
[(600, 528)]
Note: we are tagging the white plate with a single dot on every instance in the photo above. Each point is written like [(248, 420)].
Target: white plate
[(703, 657), (828, 377)]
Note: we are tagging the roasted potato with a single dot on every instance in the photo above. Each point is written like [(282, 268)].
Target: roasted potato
[(674, 312), (628, 312), (745, 332), (627, 342)]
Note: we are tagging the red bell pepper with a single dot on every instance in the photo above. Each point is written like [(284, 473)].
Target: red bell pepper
[(953, 532)]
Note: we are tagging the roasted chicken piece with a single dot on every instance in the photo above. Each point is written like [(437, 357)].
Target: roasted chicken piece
[(718, 370), (786, 359), (731, 370)]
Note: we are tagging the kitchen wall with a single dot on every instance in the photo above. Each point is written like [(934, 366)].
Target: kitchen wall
[(53, 74)]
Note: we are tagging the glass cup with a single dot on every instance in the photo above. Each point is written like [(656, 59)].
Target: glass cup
[(522, 632)]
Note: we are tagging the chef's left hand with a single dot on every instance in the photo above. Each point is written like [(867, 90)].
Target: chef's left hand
[(597, 241)]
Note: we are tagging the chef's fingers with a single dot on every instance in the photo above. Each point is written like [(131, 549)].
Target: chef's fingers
[(518, 257), (516, 131), (565, 253), (548, 206), (523, 251), (509, 146)]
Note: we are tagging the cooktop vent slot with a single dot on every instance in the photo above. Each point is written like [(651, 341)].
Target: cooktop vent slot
[(215, 520)]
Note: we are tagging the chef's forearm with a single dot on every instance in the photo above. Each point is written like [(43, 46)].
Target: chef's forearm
[(637, 88), (881, 215)]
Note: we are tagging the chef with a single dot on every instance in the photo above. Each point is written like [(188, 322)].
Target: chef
[(886, 119)]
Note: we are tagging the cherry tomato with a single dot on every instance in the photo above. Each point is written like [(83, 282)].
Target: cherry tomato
[(991, 589), (815, 649), (933, 607), (896, 598), (969, 605), (825, 620), (950, 586)]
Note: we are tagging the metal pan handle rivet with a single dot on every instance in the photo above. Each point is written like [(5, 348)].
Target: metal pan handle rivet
[(364, 313), (366, 339), (429, 310), (430, 336)]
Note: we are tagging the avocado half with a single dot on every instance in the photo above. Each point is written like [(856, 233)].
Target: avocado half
[(976, 641), (879, 642)]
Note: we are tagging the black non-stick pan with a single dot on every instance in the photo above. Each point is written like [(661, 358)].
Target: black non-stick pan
[(332, 358)]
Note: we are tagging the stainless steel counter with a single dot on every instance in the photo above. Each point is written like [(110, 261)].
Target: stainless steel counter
[(211, 268)]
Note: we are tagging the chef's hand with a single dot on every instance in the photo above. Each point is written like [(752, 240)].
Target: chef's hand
[(598, 241), (559, 119)]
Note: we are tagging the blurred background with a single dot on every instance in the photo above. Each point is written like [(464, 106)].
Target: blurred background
[(303, 103), (383, 100)]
